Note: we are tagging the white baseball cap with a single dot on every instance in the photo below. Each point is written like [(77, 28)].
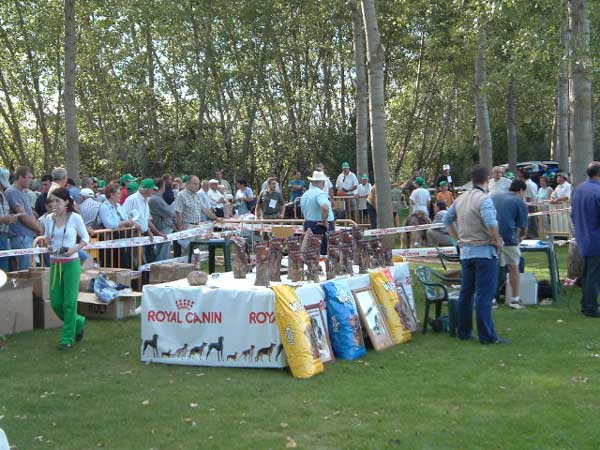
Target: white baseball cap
[(87, 192)]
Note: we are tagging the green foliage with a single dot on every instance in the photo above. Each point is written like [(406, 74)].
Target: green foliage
[(259, 86)]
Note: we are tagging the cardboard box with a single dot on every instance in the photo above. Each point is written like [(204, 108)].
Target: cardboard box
[(16, 307), (44, 316), (161, 273), (121, 276), (123, 306), (40, 277)]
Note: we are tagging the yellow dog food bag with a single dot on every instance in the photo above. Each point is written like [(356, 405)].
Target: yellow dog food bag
[(387, 297), (297, 334)]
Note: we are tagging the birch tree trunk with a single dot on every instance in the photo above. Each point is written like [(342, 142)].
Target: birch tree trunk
[(511, 125), (71, 133), (362, 99), (562, 129), (375, 59), (483, 117), (581, 66)]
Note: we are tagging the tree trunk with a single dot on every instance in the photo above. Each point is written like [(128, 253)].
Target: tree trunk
[(71, 134), (362, 94), (562, 129), (375, 59), (483, 117), (581, 66), (511, 124)]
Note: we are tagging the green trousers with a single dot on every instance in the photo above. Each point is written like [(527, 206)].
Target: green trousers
[(64, 290)]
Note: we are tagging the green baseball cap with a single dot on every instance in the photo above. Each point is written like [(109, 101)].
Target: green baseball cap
[(345, 165), (421, 181), (510, 175), (133, 187), (365, 176), (148, 183), (101, 184), (185, 178), (442, 183), (127, 177)]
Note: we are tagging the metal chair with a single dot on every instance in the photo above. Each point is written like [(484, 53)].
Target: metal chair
[(437, 292)]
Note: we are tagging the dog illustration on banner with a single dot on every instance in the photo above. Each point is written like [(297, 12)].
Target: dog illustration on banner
[(166, 354), (198, 350), (181, 352), (152, 343), (232, 357), (265, 351), (218, 347), (279, 350), (248, 355)]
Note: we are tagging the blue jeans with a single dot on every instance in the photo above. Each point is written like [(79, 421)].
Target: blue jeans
[(478, 284), (4, 265), (319, 228), (24, 261), (163, 249)]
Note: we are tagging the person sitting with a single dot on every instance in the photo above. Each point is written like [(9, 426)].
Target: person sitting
[(439, 237)]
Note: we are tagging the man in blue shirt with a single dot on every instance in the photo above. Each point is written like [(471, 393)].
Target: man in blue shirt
[(512, 215), (316, 208), (586, 218), (479, 240), (296, 186)]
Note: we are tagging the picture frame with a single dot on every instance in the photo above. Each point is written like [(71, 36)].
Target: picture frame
[(319, 325), (372, 318), (408, 316)]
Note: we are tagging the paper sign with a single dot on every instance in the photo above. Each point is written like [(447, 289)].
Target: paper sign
[(273, 203)]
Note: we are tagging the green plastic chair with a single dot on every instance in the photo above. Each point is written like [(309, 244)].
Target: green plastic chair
[(438, 293)]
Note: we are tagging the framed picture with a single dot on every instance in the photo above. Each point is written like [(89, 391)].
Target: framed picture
[(372, 318), (407, 314), (321, 335)]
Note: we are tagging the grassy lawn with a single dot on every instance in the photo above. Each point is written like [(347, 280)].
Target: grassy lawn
[(541, 392)]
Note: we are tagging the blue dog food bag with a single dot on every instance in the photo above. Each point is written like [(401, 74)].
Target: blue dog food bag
[(343, 321)]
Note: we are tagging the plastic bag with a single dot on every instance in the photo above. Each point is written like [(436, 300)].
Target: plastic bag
[(297, 334), (343, 322), (107, 290), (385, 291)]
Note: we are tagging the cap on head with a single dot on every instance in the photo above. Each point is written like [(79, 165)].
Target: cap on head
[(365, 176), (148, 183), (345, 165), (420, 181), (318, 176), (185, 178), (127, 177), (443, 183), (86, 192), (133, 187)]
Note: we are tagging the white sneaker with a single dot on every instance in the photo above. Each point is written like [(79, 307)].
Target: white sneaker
[(515, 305), (494, 304)]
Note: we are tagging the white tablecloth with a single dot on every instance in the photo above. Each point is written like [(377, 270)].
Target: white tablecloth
[(191, 323)]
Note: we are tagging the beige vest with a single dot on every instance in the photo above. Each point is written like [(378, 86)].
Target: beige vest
[(471, 228)]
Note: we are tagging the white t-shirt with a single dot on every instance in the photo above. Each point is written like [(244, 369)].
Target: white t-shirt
[(138, 203), (421, 199), (562, 190), (500, 186), (65, 237), (363, 189), (215, 198), (531, 192), (347, 182)]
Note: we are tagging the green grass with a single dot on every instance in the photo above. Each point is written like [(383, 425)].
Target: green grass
[(541, 392)]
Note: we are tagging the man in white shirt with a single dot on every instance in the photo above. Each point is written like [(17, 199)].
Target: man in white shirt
[(420, 197), (328, 184), (498, 184), (136, 207), (346, 182), (217, 199), (362, 192), (206, 204), (563, 191)]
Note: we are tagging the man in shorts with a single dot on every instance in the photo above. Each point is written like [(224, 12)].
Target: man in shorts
[(512, 225)]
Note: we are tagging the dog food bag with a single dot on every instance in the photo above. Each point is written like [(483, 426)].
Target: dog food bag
[(297, 334), (343, 322), (387, 297), (408, 313)]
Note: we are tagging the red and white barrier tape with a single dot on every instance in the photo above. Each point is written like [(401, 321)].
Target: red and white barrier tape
[(421, 252)]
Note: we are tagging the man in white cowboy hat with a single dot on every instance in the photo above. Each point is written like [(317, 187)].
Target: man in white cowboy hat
[(316, 208)]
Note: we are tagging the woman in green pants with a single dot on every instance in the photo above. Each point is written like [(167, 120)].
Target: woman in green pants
[(62, 227)]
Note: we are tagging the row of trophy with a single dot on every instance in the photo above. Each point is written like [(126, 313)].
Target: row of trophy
[(346, 248)]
